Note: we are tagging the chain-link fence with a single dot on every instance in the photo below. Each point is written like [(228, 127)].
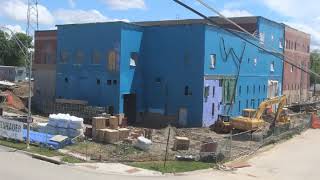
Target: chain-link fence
[(204, 145)]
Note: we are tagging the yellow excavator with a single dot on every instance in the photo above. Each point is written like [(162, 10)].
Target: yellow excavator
[(251, 119)]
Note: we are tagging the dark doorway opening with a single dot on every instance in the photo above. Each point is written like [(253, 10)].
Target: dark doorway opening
[(129, 107)]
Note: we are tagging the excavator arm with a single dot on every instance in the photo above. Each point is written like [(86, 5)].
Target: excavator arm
[(275, 100)]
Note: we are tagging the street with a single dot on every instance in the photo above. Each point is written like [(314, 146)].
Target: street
[(295, 159)]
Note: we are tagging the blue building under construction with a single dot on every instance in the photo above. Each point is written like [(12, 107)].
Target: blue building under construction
[(187, 72)]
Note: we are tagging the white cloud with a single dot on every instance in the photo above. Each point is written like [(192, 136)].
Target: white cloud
[(294, 8), (79, 16), (82, 16), (235, 13), (17, 10), (72, 3), (125, 4), (303, 15), (15, 28)]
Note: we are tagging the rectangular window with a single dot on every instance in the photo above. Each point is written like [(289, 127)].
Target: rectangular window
[(239, 106), (259, 89), (134, 59), (254, 89), (220, 82), (272, 66), (187, 91), (247, 104), (262, 37), (213, 91), (239, 90), (206, 93), (291, 69), (213, 109), (253, 103), (158, 80), (281, 43), (115, 82), (247, 89), (109, 82), (20, 72), (213, 61), (112, 61)]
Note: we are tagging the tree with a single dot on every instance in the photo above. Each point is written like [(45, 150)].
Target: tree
[(11, 53), (315, 65)]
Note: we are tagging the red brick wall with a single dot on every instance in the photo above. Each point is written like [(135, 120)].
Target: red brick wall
[(45, 47), (297, 50)]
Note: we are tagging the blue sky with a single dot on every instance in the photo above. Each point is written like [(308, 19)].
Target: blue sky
[(303, 15)]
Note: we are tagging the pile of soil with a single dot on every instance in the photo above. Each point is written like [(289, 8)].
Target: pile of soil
[(14, 101)]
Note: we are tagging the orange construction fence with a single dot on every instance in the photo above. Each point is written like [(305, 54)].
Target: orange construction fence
[(315, 121)]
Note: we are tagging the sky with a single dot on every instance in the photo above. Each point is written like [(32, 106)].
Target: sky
[(300, 14)]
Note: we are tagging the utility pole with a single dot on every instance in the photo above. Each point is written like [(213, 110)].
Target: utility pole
[(32, 25), (32, 17)]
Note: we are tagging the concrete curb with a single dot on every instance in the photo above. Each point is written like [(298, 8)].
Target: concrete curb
[(43, 158), (36, 156)]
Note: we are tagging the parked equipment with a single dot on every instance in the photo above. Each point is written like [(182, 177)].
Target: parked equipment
[(251, 119), (222, 125)]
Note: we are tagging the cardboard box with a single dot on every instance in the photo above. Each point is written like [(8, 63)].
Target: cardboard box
[(181, 143)]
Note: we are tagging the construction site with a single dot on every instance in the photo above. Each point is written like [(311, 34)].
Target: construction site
[(212, 89)]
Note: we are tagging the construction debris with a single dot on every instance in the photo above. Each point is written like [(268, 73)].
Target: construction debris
[(181, 143), (111, 136), (143, 143)]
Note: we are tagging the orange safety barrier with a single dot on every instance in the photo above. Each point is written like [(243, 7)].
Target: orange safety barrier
[(315, 121), (9, 100)]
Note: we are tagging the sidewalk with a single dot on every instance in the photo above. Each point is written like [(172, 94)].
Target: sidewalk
[(116, 169)]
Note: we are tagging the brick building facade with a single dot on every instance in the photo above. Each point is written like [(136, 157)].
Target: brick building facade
[(44, 68), (297, 50)]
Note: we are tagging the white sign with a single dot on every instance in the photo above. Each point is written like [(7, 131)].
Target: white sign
[(11, 129)]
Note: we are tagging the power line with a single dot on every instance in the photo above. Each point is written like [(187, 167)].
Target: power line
[(275, 54)]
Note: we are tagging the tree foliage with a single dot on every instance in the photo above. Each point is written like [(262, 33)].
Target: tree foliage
[(315, 65), (11, 53)]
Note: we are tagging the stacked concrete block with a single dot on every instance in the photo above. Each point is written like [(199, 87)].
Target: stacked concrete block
[(111, 136), (100, 135), (97, 124), (181, 143), (120, 118), (113, 122), (123, 133)]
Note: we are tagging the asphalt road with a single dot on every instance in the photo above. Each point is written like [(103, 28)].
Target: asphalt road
[(295, 159)]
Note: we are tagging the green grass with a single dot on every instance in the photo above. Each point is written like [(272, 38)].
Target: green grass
[(173, 166), (70, 159), (33, 149)]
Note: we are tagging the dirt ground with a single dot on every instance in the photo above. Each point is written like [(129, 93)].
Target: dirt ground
[(235, 147)]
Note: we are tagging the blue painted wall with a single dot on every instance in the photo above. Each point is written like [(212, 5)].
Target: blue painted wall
[(255, 67), (82, 83), (131, 81), (172, 60)]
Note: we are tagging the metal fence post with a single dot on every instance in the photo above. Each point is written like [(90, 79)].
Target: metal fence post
[(230, 152), (167, 146)]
